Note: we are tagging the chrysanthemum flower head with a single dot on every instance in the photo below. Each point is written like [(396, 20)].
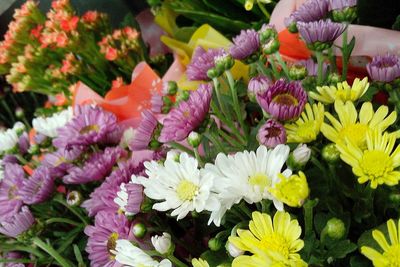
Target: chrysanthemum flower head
[(292, 191), (353, 126), (19, 223), (271, 134), (306, 128), (377, 163), (389, 256), (343, 92), (384, 68), (283, 100), (247, 175), (38, 187), (179, 185), (245, 44), (202, 62), (273, 241)]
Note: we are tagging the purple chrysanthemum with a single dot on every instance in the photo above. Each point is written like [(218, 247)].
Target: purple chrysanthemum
[(341, 4), (312, 67), (130, 198), (384, 68), (189, 115), (10, 199), (102, 198), (144, 132), (322, 31), (271, 134), (202, 61), (91, 125), (311, 10), (156, 103), (96, 167), (9, 159), (18, 224), (258, 85), (107, 229), (245, 44), (283, 100), (23, 143), (61, 161), (38, 187), (12, 255)]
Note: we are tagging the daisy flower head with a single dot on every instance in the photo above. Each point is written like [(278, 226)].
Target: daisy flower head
[(376, 163), (247, 175), (353, 126), (48, 125), (389, 256), (130, 255), (272, 240), (283, 100), (180, 186), (343, 91), (307, 127)]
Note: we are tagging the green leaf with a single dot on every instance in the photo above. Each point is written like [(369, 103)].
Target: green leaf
[(341, 249), (215, 258), (183, 34), (396, 25), (227, 9), (360, 261), (78, 256), (367, 240)]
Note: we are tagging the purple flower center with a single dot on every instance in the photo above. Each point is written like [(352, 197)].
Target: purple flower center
[(285, 99), (89, 128), (112, 243)]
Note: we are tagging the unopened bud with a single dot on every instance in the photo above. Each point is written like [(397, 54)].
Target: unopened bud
[(163, 244), (194, 139), (74, 198), (233, 250), (215, 244), (330, 153), (298, 72), (34, 149), (271, 46), (334, 78), (335, 228), (19, 113), (139, 230), (224, 62), (302, 154), (172, 88), (347, 14)]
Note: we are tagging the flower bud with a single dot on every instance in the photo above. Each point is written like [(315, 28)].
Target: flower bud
[(266, 33), (19, 128), (394, 198), (34, 149), (347, 14), (233, 250), (215, 244), (292, 191), (299, 157), (182, 96), (248, 5), (139, 230), (298, 72), (334, 78), (74, 198), (19, 113), (172, 88), (258, 85), (194, 139), (224, 62), (319, 46), (330, 153), (214, 73), (271, 46), (162, 244), (335, 228)]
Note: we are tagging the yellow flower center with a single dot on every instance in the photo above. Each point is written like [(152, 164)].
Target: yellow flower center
[(111, 244), (344, 95), (307, 130), (286, 100), (11, 192), (261, 180), (276, 243), (376, 163), (356, 133), (393, 256), (187, 190), (89, 128), (60, 161)]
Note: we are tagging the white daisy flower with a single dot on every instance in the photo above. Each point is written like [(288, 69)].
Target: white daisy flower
[(129, 255), (8, 140), (48, 125), (127, 137), (246, 175), (1, 170), (179, 185)]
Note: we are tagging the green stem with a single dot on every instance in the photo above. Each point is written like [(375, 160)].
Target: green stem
[(215, 141), (332, 60), (7, 108), (264, 10), (261, 68), (181, 147), (21, 159), (308, 216), (62, 220), (176, 261), (72, 209), (235, 98), (198, 157), (283, 64), (230, 140), (51, 251), (320, 61), (345, 54), (217, 90), (274, 68)]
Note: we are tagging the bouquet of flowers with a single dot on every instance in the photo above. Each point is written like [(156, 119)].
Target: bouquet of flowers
[(290, 165)]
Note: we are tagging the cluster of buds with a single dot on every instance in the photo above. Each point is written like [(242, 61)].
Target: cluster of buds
[(120, 43), (70, 64), (269, 39)]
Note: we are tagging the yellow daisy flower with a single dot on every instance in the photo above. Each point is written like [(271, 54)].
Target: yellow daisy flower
[(390, 257), (377, 163), (354, 126), (307, 126), (276, 242), (292, 190), (342, 91)]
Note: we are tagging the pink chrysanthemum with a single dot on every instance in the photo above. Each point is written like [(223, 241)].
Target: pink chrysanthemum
[(18, 224), (245, 44), (107, 229), (271, 134), (384, 68), (61, 161), (189, 115), (202, 61), (38, 187), (283, 100), (10, 199), (144, 132)]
